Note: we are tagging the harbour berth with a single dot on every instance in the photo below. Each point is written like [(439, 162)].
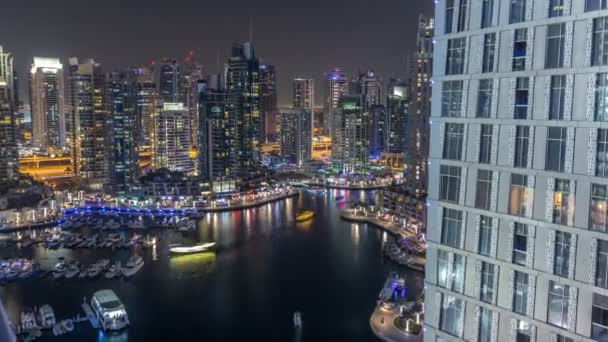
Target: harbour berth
[(109, 310)]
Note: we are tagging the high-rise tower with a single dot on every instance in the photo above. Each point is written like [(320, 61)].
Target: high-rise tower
[(8, 137), (336, 86)]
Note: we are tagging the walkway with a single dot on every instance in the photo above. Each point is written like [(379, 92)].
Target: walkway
[(382, 324)]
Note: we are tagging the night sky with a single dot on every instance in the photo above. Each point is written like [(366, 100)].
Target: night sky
[(301, 38)]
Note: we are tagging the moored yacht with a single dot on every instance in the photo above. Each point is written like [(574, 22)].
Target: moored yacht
[(133, 266), (109, 310)]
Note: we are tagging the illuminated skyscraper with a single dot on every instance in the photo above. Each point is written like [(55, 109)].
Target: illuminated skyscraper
[(89, 128), (47, 104), (216, 136), (122, 128), (336, 86), (8, 138), (242, 75), (296, 135), (304, 93), (192, 75), (146, 96), (170, 81), (396, 118), (268, 102), (171, 144), (377, 129), (350, 141), (371, 89)]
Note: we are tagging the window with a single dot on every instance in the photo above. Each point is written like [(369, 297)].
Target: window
[(563, 203), (601, 97), (556, 8), (484, 189), (522, 141), (455, 57), (485, 325), (599, 207), (520, 47), (556, 98), (451, 99), (599, 49), (452, 146), (485, 235), (488, 278), (520, 243), (484, 98), (462, 16), (455, 280), (449, 16), (518, 196), (518, 11), (561, 255), (520, 292), (556, 36), (599, 318), (452, 315), (594, 5), (556, 149), (489, 52), (562, 338), (601, 160), (450, 183), (485, 144), (487, 8), (451, 228), (558, 304), (524, 332), (601, 267), (522, 93)]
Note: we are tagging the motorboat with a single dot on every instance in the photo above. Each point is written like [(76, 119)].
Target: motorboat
[(72, 271), (12, 274), (304, 215), (114, 271), (68, 325), (103, 263), (109, 310), (59, 270), (187, 226), (28, 321), (94, 271), (133, 266), (46, 316), (26, 273), (192, 249)]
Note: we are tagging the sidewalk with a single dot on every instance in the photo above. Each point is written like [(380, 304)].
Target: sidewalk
[(393, 228), (386, 330)]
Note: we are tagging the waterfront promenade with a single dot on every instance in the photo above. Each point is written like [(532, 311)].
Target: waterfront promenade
[(349, 186), (382, 323)]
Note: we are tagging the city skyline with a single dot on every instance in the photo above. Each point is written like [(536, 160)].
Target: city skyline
[(378, 43)]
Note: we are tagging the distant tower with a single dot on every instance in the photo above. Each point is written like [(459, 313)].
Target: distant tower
[(304, 93), (371, 89), (170, 82), (268, 102), (172, 138), (8, 135), (89, 125), (336, 86), (396, 118), (350, 141), (296, 135), (47, 104), (242, 75), (145, 104)]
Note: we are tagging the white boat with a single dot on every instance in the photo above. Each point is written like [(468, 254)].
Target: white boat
[(187, 226), (192, 249), (46, 316), (72, 271), (297, 319), (94, 271), (109, 310), (68, 325), (28, 321), (114, 271), (133, 266), (26, 273), (103, 263)]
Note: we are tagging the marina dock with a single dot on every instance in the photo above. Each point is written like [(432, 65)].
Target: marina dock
[(91, 316)]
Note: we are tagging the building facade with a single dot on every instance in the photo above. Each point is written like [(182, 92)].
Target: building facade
[(304, 93), (47, 104), (8, 135), (296, 135), (518, 200), (377, 130), (396, 118), (350, 138), (146, 96), (336, 86), (171, 144), (268, 102), (88, 131), (170, 84)]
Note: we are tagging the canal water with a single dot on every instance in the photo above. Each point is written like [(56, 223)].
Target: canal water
[(266, 267)]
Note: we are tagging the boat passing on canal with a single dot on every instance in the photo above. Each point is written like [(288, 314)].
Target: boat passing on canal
[(109, 310), (192, 249), (304, 215)]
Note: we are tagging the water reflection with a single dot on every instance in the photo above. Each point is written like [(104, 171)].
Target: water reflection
[(192, 265)]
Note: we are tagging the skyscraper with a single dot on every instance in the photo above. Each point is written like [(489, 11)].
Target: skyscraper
[(8, 139), (171, 144), (268, 102), (296, 135), (122, 128), (396, 118), (170, 85), (145, 106), (304, 93), (350, 141), (371, 89), (420, 109), (47, 104), (242, 77), (216, 136), (518, 196), (377, 129), (88, 129), (192, 75), (336, 86)]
